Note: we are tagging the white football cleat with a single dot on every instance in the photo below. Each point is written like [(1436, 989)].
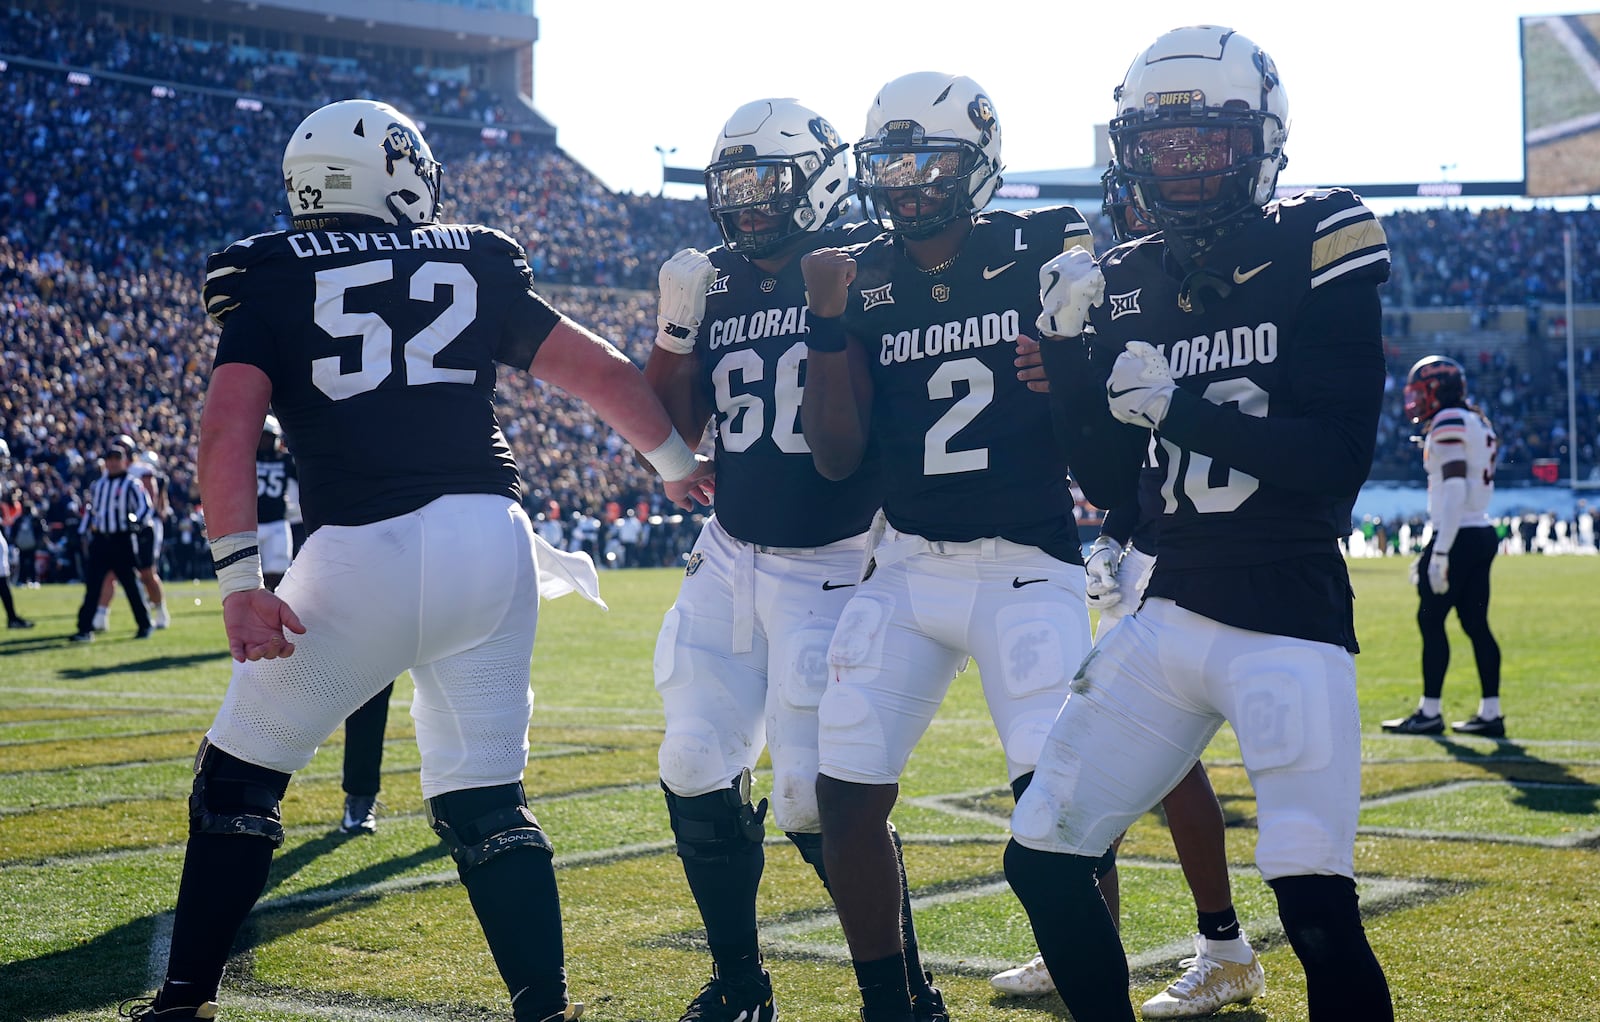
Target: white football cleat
[(102, 619), (1030, 979), (1207, 984), (161, 619)]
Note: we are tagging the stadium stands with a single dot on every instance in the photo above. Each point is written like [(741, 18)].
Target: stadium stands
[(132, 156)]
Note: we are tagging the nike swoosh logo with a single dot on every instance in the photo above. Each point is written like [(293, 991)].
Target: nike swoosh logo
[(1054, 278), (830, 586), (1239, 277), (989, 274), (1018, 582), (1110, 392)]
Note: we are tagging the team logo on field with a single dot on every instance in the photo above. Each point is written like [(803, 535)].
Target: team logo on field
[(1125, 304), (768, 284), (941, 292), (718, 286), (695, 560), (873, 297)]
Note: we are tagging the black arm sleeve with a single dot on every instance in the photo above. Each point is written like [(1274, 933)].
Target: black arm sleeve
[(1337, 378), (1105, 454), (1120, 522)]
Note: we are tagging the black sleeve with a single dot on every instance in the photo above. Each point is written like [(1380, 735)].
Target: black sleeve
[(1120, 522), (1105, 454), (1336, 377)]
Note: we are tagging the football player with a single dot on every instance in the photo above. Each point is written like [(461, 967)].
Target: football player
[(1458, 451), (1225, 969), (915, 340), (366, 317), (741, 661), (13, 619), (277, 484), (1245, 334)]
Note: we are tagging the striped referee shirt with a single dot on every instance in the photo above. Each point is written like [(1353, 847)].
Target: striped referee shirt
[(116, 504)]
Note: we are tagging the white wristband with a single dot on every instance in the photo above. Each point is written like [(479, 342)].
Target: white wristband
[(672, 460), (676, 339), (237, 560)]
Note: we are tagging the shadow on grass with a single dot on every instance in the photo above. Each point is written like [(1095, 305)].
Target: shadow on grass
[(1557, 789), (145, 666), (99, 972)]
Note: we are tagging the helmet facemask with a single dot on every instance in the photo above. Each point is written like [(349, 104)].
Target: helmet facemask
[(917, 186), (1198, 174), (759, 202)]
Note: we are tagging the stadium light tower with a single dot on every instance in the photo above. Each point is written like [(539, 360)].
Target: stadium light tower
[(664, 152)]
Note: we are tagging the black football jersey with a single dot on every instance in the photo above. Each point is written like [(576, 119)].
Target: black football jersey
[(1287, 332), (381, 346), (273, 472), (966, 447), (752, 366)]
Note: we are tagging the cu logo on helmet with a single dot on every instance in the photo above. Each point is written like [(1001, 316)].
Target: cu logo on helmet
[(981, 111), (824, 132), (399, 144)]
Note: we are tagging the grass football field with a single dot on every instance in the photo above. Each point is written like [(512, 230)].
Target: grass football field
[(1478, 859)]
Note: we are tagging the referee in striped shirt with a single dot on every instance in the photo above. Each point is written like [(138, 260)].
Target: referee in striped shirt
[(118, 508)]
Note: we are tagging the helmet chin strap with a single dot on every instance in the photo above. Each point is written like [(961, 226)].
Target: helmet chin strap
[(1196, 280)]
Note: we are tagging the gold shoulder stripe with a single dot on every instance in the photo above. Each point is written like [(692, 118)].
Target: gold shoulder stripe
[(1355, 237)]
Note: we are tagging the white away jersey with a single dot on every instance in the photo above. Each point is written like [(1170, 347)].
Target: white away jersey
[(1461, 434)]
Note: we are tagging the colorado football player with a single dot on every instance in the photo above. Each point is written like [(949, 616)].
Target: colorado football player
[(1244, 336)]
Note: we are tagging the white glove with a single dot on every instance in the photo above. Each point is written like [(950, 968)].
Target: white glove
[(1439, 572), (684, 280), (1100, 569), (1068, 285), (1140, 386)]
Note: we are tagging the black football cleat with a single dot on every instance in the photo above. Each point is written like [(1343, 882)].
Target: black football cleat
[(1416, 724), (733, 1000), (19, 622), (143, 1009), (929, 1007), (360, 815), (1476, 725)]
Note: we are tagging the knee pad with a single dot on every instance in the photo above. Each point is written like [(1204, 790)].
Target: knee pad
[(231, 796), (478, 824), (810, 846), (690, 757), (716, 826)]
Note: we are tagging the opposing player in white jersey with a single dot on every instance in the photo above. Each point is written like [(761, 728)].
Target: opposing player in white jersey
[(1245, 333), (742, 656), (1458, 451), (365, 320)]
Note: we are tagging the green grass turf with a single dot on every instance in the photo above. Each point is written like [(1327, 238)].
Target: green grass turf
[(1477, 857)]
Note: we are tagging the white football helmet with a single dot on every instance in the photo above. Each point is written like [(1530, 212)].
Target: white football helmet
[(783, 162), (362, 157), (937, 135), (1198, 135)]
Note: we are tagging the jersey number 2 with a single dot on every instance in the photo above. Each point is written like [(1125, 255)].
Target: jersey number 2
[(377, 337)]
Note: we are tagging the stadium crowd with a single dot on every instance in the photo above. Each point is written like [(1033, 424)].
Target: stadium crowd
[(112, 193)]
